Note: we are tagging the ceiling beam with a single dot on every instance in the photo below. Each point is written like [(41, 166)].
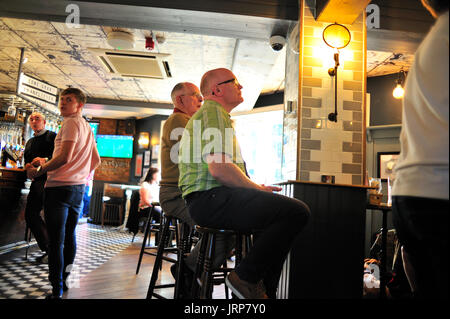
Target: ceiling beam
[(224, 24), (274, 9), (393, 41), (131, 104), (340, 11)]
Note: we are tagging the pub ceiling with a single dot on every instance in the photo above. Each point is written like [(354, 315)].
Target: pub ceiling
[(59, 55)]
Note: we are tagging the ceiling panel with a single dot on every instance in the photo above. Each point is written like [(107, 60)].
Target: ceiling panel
[(59, 55)]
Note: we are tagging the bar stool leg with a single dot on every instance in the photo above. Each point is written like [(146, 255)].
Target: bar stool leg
[(199, 266), (225, 265), (207, 285), (238, 250), (182, 250), (158, 261), (146, 234)]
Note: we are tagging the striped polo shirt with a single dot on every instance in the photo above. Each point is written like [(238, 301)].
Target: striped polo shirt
[(209, 131)]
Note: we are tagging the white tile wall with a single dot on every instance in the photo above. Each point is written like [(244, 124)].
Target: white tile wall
[(329, 166)]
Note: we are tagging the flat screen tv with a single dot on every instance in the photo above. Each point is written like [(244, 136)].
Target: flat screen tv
[(118, 146), (94, 128)]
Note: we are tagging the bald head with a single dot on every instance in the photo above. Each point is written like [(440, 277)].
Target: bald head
[(186, 97), (211, 78), (221, 85)]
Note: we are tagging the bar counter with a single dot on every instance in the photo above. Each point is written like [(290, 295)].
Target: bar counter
[(13, 196), (327, 259)]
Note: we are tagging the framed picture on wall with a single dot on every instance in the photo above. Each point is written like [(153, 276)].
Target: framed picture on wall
[(155, 152), (138, 166), (386, 162), (146, 158)]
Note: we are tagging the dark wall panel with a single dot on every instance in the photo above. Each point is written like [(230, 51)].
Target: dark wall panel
[(384, 108)]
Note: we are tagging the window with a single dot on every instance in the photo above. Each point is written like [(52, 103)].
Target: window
[(260, 134)]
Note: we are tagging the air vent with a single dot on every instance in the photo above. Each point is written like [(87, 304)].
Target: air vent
[(133, 63)]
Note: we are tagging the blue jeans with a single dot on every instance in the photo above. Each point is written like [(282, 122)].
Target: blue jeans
[(62, 206)]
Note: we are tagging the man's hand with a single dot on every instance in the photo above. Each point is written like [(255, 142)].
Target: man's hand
[(38, 161), (32, 172), (270, 188)]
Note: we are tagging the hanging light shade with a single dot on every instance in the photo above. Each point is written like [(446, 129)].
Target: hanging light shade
[(398, 91), (336, 36)]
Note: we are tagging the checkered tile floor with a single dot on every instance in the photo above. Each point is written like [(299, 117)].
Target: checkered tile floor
[(26, 279)]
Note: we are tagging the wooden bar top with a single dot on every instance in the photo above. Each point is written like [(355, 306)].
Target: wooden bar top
[(323, 184), (12, 175), (12, 169)]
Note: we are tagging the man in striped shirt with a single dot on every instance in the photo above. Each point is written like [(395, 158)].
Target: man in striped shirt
[(220, 195)]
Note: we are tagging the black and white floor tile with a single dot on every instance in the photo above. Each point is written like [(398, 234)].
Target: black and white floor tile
[(22, 278)]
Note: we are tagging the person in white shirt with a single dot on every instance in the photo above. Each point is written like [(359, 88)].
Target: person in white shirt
[(420, 202)]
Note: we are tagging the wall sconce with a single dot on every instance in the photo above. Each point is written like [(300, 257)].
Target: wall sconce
[(338, 37), (398, 91), (144, 140)]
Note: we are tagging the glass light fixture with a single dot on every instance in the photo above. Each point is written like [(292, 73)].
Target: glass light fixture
[(338, 37), (398, 91), (144, 140)]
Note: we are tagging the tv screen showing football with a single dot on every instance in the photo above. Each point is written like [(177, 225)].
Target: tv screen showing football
[(118, 146)]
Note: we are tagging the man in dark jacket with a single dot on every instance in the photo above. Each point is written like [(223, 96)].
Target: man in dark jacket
[(38, 150)]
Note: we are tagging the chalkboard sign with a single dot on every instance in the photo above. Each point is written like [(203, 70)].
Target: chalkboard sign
[(113, 170)]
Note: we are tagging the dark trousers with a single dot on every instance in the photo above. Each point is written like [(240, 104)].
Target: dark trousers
[(276, 218), (35, 203), (422, 228), (62, 206)]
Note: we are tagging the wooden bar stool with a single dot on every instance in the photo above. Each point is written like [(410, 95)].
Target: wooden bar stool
[(149, 229), (171, 224), (205, 276)]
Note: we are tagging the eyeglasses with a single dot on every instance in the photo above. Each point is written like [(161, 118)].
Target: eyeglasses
[(228, 81), (195, 94)]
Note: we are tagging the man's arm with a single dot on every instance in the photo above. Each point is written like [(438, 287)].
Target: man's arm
[(95, 160), (59, 160), (229, 174)]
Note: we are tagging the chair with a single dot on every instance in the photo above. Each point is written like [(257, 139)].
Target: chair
[(113, 205), (133, 215), (205, 276)]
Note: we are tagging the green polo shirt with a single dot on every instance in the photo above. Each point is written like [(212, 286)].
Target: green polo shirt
[(209, 131)]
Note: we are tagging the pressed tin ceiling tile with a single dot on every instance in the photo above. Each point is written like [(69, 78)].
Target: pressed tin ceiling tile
[(28, 25), (43, 40)]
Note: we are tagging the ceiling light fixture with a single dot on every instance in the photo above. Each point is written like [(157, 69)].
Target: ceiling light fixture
[(398, 91), (338, 37), (120, 40)]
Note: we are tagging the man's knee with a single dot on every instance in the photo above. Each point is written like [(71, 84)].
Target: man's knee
[(299, 211)]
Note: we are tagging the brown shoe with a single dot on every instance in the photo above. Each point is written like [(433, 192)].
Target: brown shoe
[(243, 289)]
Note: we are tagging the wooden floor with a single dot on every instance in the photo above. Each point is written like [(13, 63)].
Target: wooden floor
[(117, 279)]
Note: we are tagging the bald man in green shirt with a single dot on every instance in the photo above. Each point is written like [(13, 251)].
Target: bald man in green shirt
[(187, 100), (220, 195)]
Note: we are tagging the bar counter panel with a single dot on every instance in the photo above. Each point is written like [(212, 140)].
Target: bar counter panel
[(13, 196), (327, 259)]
